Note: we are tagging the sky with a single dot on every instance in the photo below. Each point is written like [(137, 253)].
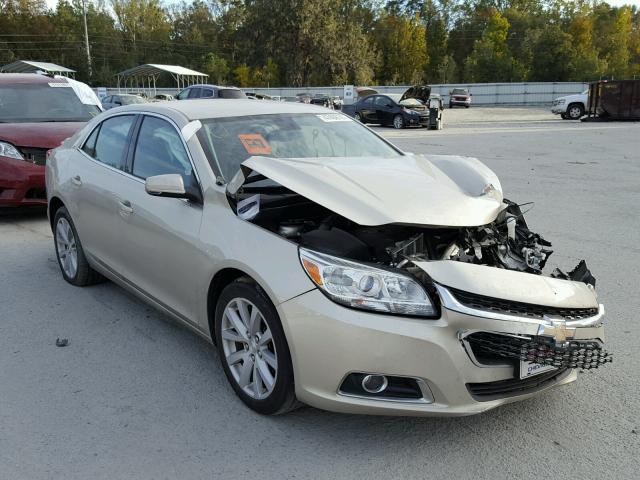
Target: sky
[(52, 3)]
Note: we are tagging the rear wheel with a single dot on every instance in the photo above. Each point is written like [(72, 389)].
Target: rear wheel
[(398, 122), (253, 349), (71, 259), (575, 111)]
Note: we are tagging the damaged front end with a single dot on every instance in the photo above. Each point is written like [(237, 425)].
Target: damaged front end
[(485, 264)]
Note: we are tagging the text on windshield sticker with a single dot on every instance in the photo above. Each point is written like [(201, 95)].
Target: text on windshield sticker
[(255, 144)]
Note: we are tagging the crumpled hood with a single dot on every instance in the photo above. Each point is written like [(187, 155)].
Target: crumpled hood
[(434, 190), (38, 135)]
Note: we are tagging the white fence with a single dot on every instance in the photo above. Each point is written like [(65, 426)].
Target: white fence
[(490, 94)]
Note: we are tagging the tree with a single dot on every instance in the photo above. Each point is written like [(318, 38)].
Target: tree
[(217, 68), (491, 60), (402, 44)]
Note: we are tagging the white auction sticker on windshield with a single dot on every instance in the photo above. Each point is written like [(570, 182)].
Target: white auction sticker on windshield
[(60, 84), (333, 117)]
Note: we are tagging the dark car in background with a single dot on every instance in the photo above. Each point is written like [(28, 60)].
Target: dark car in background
[(37, 113), (396, 110), (112, 101), (210, 91), (459, 97)]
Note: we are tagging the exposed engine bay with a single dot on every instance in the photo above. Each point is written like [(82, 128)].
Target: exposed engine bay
[(506, 242)]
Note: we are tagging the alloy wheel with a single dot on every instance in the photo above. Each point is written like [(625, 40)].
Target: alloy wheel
[(398, 122), (575, 112), (66, 248), (249, 349)]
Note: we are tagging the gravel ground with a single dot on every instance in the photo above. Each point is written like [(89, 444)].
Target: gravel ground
[(135, 396)]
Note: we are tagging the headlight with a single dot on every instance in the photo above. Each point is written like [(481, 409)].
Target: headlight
[(560, 101), (362, 286), (8, 150)]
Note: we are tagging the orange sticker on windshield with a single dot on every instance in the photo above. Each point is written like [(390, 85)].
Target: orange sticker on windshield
[(255, 144)]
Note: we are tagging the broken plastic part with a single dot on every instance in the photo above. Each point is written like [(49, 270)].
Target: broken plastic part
[(579, 274)]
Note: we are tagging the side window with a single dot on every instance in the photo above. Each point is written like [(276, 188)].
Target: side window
[(207, 92), (183, 94), (159, 150), (106, 100), (195, 92), (368, 102), (89, 146), (111, 145), (382, 101)]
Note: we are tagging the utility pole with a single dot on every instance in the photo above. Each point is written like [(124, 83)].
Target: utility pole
[(86, 38)]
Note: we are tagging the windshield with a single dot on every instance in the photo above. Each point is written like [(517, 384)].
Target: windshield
[(230, 93), (131, 99), (228, 142), (42, 103), (459, 91)]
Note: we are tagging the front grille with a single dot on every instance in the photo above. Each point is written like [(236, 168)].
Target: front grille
[(520, 309), (490, 348), (35, 155), (510, 387)]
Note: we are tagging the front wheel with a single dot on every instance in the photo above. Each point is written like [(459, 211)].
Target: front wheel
[(398, 122), (358, 117), (69, 252), (253, 349), (575, 111)]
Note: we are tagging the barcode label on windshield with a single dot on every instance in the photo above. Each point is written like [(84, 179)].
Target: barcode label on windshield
[(333, 117)]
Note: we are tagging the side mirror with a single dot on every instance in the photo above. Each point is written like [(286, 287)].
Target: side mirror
[(172, 185)]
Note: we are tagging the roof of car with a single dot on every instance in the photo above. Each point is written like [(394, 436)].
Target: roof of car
[(28, 78), (220, 108), (211, 86)]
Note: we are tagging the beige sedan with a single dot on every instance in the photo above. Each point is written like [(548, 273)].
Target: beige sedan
[(327, 266)]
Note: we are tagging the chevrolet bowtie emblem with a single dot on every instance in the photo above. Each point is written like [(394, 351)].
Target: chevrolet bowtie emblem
[(558, 330)]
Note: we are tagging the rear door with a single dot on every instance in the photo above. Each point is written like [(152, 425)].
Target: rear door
[(159, 235), (368, 111), (196, 92), (95, 180)]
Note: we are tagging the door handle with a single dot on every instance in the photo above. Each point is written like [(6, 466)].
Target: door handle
[(76, 180), (125, 207)]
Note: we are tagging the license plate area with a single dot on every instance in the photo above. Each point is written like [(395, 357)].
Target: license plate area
[(531, 369)]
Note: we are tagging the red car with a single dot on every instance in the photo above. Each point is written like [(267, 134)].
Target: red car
[(37, 113)]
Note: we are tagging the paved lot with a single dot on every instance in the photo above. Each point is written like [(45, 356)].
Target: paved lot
[(135, 396)]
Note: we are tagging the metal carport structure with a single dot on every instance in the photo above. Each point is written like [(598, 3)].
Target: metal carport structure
[(145, 76), (29, 66)]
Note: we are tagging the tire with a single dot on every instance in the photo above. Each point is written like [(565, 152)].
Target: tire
[(398, 122), (71, 258), (358, 117), (450, 105), (266, 383), (575, 111), (466, 106), (564, 116)]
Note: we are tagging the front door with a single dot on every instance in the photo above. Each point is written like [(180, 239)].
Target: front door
[(160, 236)]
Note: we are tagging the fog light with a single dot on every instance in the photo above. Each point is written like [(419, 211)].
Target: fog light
[(374, 383)]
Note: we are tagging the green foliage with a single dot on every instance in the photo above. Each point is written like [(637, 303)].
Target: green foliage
[(256, 43)]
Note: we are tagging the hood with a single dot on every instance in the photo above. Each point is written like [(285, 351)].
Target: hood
[(576, 97), (510, 285), (38, 135), (435, 190), (418, 92)]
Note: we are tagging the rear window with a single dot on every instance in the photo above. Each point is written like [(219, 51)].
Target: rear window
[(230, 93), (43, 103)]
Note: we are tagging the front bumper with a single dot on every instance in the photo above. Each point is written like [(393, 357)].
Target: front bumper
[(328, 342), (558, 109), (21, 183)]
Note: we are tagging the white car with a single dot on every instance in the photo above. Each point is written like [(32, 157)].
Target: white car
[(571, 107), (327, 266)]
